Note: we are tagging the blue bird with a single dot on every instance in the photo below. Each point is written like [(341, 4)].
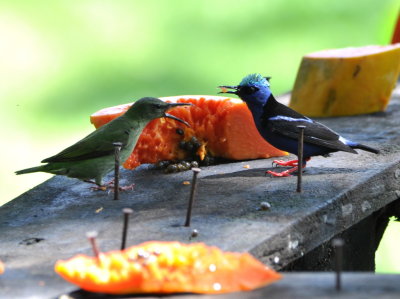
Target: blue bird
[(277, 124)]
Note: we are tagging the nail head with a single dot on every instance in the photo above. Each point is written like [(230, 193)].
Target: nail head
[(196, 169), (92, 235), (338, 242), (127, 210)]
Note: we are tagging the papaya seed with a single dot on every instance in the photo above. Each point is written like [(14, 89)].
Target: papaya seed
[(195, 142), (186, 165), (182, 144), (194, 164), (181, 167), (189, 146), (162, 164), (171, 168)]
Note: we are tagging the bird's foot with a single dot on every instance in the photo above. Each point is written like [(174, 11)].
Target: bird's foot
[(285, 173), (291, 163), (98, 188), (127, 188), (121, 188), (105, 186), (109, 185)]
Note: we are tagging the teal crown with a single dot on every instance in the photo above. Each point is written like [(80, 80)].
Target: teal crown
[(254, 79)]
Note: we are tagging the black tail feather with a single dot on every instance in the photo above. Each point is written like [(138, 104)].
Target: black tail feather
[(365, 148)]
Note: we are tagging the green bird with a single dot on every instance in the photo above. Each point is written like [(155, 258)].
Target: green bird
[(93, 156)]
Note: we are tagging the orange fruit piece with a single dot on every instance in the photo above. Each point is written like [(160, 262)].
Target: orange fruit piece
[(1, 267), (167, 267), (224, 127)]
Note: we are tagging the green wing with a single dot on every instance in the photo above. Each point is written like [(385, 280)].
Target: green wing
[(97, 144)]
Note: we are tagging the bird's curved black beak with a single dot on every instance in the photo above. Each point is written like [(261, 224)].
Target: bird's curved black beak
[(225, 89), (171, 105)]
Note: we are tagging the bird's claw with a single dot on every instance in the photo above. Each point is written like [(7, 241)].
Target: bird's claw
[(276, 163)]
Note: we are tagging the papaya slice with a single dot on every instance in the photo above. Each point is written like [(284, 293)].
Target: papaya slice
[(167, 267), (223, 127), (347, 81)]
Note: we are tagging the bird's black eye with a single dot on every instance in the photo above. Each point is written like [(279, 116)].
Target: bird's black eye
[(248, 89), (157, 106)]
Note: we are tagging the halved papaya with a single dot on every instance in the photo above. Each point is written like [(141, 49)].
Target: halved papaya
[(346, 81), (222, 127), (167, 267)]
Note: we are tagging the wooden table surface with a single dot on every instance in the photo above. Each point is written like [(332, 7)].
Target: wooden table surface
[(49, 222)]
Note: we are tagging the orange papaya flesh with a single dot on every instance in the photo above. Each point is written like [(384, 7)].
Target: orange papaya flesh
[(167, 267), (348, 81), (2, 268), (223, 127)]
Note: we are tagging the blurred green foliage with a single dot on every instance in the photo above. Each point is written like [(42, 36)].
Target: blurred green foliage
[(387, 257), (62, 60)]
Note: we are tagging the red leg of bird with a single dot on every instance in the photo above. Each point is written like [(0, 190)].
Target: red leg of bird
[(283, 173), (291, 163), (289, 171)]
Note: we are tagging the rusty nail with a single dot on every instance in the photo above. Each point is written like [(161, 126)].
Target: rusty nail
[(338, 244), (92, 239), (127, 212), (300, 158), (191, 199), (117, 150)]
